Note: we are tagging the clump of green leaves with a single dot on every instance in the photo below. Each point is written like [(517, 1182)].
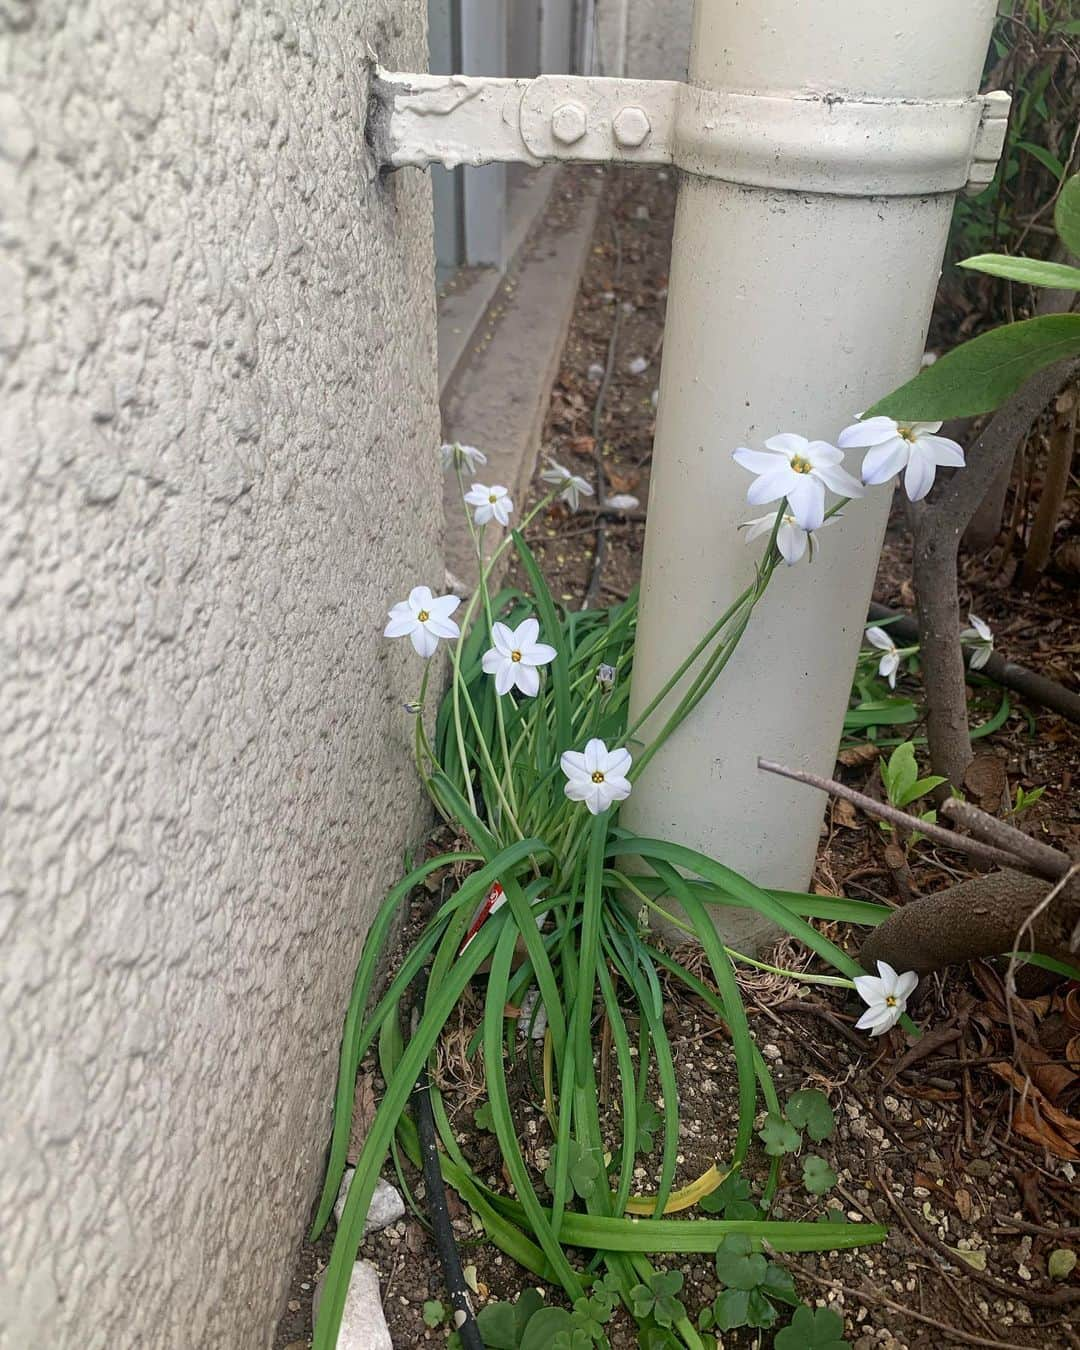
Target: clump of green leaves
[(1024, 800), (754, 1285), (900, 778)]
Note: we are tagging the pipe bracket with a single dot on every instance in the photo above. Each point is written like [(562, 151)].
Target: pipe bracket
[(807, 143)]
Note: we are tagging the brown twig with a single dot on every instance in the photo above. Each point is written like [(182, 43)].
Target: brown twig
[(882, 810), (1041, 858), (1059, 1298), (868, 1295)]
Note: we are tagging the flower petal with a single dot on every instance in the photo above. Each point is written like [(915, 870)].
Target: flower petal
[(491, 660), (919, 477), (616, 763), (788, 444), (526, 633), (441, 627), (869, 989), (874, 431), (399, 625), (946, 453), (807, 500), (758, 461), (420, 597), (838, 480), (791, 541), (884, 461), (424, 642), (503, 638), (595, 755), (538, 654), (906, 985), (505, 676), (444, 605), (528, 681), (770, 487), (877, 637), (979, 657), (888, 976), (572, 763)]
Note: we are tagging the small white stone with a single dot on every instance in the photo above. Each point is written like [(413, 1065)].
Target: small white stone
[(771, 1052), (363, 1323), (596, 372), (386, 1205), (638, 366)]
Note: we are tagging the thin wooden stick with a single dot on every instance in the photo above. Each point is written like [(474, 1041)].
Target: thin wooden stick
[(997, 832), (949, 838)]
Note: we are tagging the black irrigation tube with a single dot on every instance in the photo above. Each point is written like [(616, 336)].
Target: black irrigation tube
[(435, 1199)]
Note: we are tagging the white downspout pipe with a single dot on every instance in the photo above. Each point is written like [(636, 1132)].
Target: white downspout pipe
[(788, 311)]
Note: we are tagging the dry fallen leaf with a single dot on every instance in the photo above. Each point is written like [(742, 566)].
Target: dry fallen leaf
[(963, 1204), (845, 815), (363, 1115)]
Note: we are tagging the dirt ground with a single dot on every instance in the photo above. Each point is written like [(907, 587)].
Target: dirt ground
[(972, 1169)]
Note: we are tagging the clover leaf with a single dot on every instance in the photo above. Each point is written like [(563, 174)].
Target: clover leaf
[(657, 1298), (738, 1265), (483, 1119), (731, 1199), (649, 1121), (434, 1313), (778, 1136), (583, 1170), (809, 1110), (812, 1329), (589, 1316), (779, 1284), (818, 1176)]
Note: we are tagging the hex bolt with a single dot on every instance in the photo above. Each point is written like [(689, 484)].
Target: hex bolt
[(631, 125), (569, 122)]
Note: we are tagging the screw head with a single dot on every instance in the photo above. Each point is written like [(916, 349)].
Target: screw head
[(631, 125), (569, 122)]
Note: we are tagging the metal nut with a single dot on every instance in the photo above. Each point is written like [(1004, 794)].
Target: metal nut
[(631, 126), (569, 122)]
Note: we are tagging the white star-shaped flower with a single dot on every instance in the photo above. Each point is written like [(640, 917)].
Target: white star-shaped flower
[(574, 487), (515, 657), (912, 446), (791, 539), (886, 995), (890, 662), (424, 618), (467, 457), (980, 639), (491, 503), (791, 466), (597, 777)]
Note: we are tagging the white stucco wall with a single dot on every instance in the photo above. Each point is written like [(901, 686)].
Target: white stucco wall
[(217, 433)]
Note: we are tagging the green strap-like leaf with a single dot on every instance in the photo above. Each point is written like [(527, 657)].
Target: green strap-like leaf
[(1032, 271), (981, 374)]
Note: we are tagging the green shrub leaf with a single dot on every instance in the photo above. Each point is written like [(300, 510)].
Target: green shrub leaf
[(980, 375)]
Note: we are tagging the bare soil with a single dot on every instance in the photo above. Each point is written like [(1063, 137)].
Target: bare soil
[(970, 1160)]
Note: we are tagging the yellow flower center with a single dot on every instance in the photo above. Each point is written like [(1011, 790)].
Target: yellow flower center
[(890, 1001), (423, 616), (492, 498), (906, 434), (515, 656), (597, 777), (800, 465)]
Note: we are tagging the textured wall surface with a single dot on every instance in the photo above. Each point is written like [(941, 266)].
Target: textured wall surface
[(217, 470)]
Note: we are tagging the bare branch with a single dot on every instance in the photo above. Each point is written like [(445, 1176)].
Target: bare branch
[(995, 857), (1043, 860)]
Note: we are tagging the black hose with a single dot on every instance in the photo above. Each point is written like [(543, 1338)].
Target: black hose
[(435, 1198)]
